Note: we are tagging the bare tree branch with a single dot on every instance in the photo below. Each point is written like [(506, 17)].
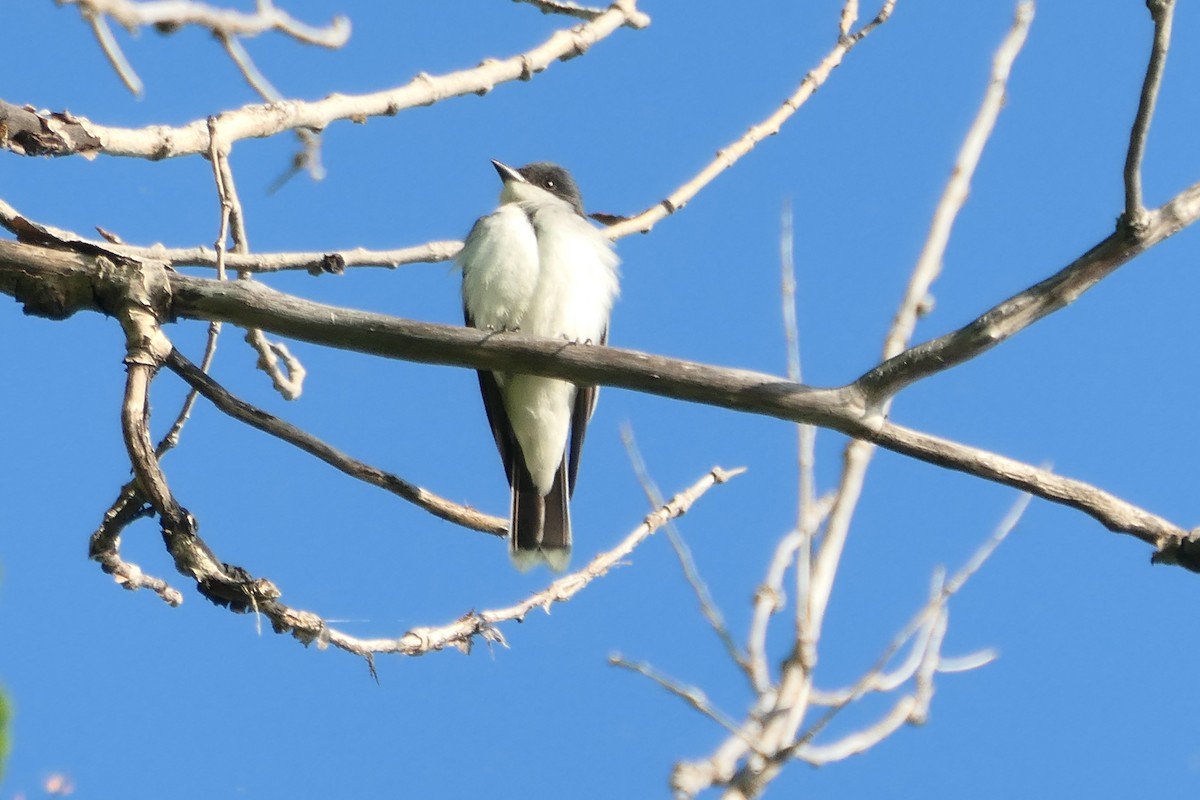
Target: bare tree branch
[(1027, 307), (55, 284), (1107, 509), (39, 132), (848, 18), (461, 633), (138, 294), (139, 304)]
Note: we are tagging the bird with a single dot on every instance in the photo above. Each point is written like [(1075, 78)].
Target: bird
[(538, 265)]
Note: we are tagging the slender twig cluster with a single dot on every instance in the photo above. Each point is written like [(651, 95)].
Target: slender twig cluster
[(227, 25)]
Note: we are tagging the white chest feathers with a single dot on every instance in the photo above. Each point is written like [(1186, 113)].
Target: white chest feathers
[(540, 268)]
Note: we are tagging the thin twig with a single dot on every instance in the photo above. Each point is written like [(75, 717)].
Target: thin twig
[(729, 155), (250, 71), (771, 753), (807, 516), (787, 272), (692, 695), (307, 159), (309, 156), (130, 576), (114, 54), (329, 262), (171, 439), (848, 18), (104, 546), (1162, 12), (274, 358), (288, 378), (929, 263), (691, 573), (768, 601), (227, 192), (863, 739), (255, 417)]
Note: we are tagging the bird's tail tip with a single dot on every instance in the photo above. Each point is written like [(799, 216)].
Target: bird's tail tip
[(556, 558)]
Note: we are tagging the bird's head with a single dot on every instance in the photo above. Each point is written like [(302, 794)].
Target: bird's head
[(533, 181)]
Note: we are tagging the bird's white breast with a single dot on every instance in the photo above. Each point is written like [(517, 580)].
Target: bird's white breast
[(500, 269), (577, 277)]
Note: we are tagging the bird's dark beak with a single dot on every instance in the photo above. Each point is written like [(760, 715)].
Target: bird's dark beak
[(507, 173)]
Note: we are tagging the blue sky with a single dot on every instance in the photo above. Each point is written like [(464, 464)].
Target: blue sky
[(1090, 693)]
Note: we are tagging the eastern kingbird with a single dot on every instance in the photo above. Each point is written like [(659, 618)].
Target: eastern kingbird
[(537, 265)]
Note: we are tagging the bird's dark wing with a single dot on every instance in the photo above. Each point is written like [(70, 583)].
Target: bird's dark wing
[(493, 406), (527, 514), (581, 412)]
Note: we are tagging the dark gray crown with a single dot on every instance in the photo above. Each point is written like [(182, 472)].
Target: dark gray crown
[(554, 179)]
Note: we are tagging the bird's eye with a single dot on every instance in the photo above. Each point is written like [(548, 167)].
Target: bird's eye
[(549, 184)]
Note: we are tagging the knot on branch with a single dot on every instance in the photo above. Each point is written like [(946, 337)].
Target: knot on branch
[(138, 294), (1134, 224), (1183, 551), (236, 589), (304, 626), (1158, 8)]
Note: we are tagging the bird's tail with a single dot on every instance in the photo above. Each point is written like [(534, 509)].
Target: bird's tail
[(540, 526)]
